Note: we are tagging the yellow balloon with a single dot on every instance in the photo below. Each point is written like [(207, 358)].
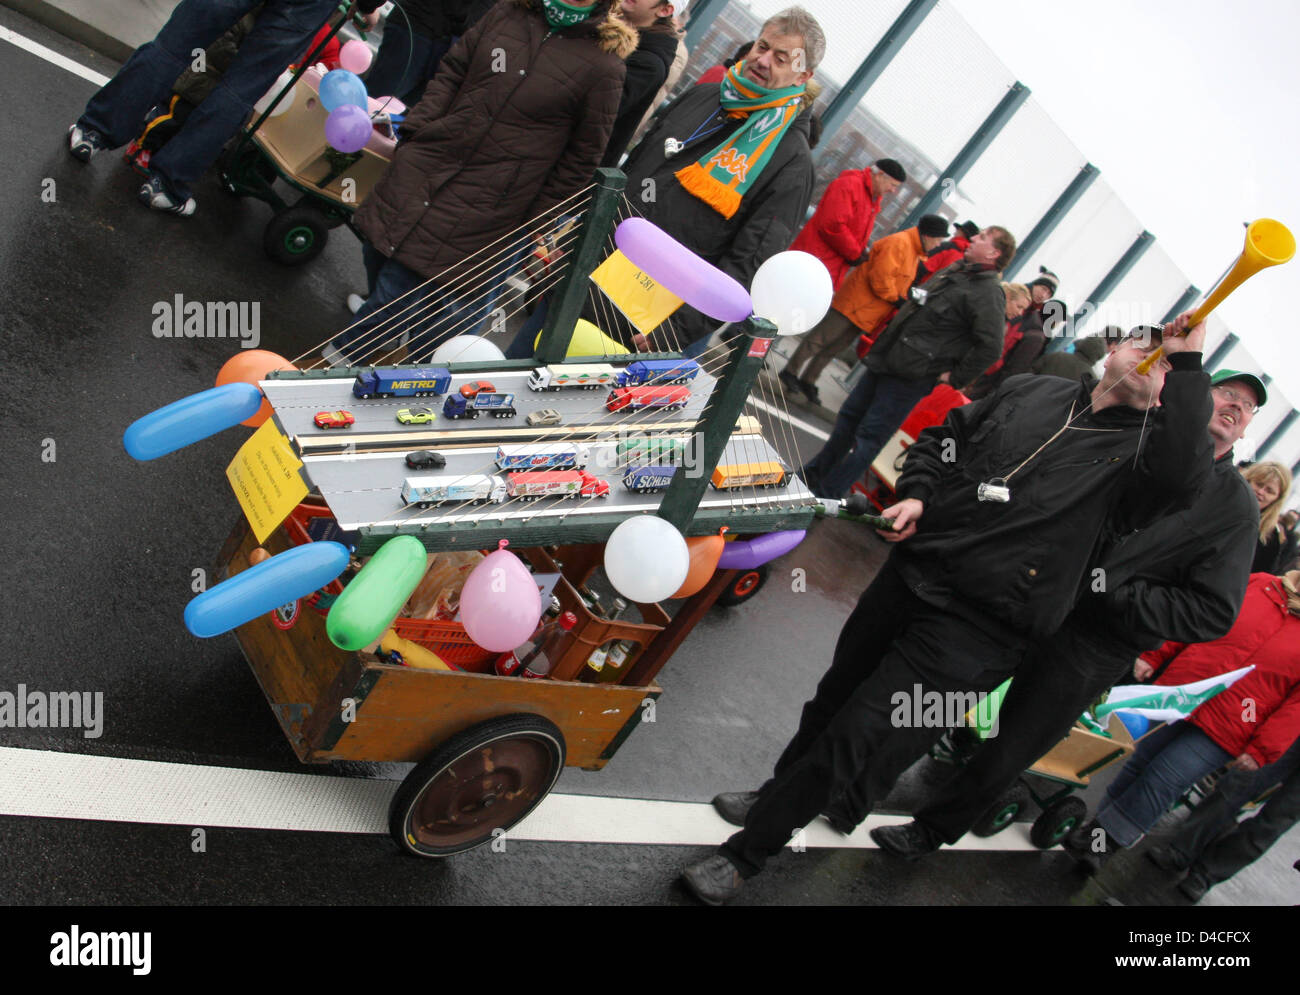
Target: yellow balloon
[(588, 340)]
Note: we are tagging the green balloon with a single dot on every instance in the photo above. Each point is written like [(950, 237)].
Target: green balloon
[(376, 594)]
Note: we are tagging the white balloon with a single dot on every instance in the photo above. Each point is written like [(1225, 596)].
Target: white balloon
[(793, 291), (260, 107), (466, 349), (646, 559)]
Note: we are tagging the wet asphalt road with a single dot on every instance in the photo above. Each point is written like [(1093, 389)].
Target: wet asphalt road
[(102, 552)]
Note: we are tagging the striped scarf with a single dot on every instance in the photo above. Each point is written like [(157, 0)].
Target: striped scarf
[(722, 176)]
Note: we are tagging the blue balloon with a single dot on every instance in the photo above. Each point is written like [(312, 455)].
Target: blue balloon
[(339, 87), (1136, 724), (295, 573), (191, 419)]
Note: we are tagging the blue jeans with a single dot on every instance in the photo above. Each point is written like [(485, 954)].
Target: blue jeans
[(283, 30), (405, 62), (870, 416), (1166, 763)]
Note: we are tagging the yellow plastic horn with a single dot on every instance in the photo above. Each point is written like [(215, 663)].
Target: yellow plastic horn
[(1268, 243)]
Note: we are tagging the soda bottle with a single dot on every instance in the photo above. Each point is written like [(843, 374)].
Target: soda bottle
[(542, 659), (596, 662)]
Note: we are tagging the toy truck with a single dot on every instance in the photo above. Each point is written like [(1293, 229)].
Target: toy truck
[(658, 371), (476, 488), (589, 376), (555, 483), (543, 456), (497, 405), (635, 398), (648, 479), (402, 383), (659, 448), (763, 473)]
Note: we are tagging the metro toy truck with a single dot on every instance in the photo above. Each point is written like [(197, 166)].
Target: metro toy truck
[(402, 383), (477, 488), (555, 483), (589, 376), (635, 398), (658, 371), (497, 405), (543, 456)]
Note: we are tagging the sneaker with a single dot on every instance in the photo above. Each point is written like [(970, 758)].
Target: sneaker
[(911, 840), (735, 805), (84, 142), (155, 194), (713, 880), (333, 357), (354, 302)]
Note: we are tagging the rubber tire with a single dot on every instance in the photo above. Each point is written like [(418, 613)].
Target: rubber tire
[(296, 235), (1056, 821), (466, 745), (745, 586), (1003, 812)]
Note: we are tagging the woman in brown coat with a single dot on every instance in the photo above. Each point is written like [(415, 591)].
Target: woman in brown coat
[(515, 121)]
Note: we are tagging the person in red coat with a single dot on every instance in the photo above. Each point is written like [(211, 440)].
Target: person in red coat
[(840, 229), (1246, 726), (949, 252)]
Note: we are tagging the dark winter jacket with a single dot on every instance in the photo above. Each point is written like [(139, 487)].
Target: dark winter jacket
[(1023, 564), (1072, 365), (487, 150), (770, 212), (1182, 577), (647, 68), (441, 18), (958, 329), (1260, 713)]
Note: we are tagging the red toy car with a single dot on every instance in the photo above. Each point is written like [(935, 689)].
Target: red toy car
[(333, 419), (474, 386)]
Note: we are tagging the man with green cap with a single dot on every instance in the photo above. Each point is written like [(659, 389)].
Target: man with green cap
[(1182, 578)]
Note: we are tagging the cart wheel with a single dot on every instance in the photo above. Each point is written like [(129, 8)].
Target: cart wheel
[(488, 777), (296, 235), (1003, 812), (745, 586), (1056, 822)]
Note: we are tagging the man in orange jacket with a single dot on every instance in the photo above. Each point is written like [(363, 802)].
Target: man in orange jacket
[(863, 301)]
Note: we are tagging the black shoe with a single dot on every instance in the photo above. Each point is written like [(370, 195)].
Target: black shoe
[(790, 382), (156, 193), (1080, 844), (911, 841), (1167, 858), (735, 805), (810, 391), (840, 822), (84, 142), (713, 880), (1193, 887)]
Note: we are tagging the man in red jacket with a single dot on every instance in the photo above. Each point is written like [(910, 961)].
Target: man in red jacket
[(840, 230)]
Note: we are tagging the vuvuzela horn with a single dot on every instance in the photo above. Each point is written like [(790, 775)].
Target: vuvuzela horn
[(1268, 243)]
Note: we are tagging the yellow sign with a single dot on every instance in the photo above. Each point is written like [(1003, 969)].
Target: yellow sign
[(643, 301), (266, 477)]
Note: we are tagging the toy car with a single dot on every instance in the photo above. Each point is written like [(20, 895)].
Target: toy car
[(547, 416), (416, 416), (333, 419), (423, 459), (474, 386)]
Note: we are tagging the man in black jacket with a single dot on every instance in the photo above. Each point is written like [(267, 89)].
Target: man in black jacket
[(1001, 510), (1182, 578), (950, 332), (647, 67)]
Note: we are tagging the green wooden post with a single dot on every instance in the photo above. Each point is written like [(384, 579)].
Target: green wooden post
[(719, 420), (567, 304)]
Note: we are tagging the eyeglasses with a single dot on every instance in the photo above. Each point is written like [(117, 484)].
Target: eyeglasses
[(1236, 395)]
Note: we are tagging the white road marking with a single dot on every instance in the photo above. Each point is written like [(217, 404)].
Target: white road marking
[(52, 785), (52, 57), (798, 423)]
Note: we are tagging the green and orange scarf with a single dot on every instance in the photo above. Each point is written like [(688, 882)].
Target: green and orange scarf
[(722, 176)]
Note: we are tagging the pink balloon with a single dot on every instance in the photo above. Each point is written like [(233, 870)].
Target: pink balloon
[(348, 128), (700, 284), (500, 605), (355, 56)]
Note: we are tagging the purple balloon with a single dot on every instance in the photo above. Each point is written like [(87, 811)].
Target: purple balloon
[(746, 554), (700, 284), (348, 128)]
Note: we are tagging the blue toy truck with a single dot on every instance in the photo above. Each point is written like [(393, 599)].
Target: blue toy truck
[(496, 404), (402, 383), (647, 479), (658, 371)]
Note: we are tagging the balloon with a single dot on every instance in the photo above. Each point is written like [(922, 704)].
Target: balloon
[(355, 56), (250, 366), (295, 573), (499, 604), (704, 552), (190, 419), (339, 88), (793, 291), (746, 554), (348, 128), (376, 594), (588, 340), (1136, 723), (646, 559), (700, 284), (285, 79), (467, 349)]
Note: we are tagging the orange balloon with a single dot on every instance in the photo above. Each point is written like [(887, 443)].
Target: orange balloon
[(258, 555), (705, 552), (250, 366)]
